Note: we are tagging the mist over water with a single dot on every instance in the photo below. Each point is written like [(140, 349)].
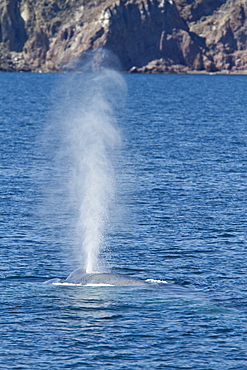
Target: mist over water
[(89, 139)]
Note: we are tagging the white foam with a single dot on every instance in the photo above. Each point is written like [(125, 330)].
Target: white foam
[(60, 283), (156, 281)]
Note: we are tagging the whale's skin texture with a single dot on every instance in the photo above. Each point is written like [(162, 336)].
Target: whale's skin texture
[(80, 277)]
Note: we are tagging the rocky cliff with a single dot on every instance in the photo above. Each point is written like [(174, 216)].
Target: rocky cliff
[(176, 36)]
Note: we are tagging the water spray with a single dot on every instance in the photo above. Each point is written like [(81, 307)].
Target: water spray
[(91, 137)]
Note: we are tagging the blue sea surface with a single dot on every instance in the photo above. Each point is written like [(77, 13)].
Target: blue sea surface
[(180, 216)]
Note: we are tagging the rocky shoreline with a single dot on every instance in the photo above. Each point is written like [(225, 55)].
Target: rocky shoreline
[(146, 36)]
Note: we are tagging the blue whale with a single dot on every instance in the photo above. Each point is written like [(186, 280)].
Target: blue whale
[(80, 277)]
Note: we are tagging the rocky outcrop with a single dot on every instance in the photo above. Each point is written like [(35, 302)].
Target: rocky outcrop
[(151, 36), (225, 35), (195, 10), (137, 32)]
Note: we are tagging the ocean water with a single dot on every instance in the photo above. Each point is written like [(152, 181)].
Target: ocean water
[(179, 215)]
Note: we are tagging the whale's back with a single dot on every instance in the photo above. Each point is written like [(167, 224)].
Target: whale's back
[(79, 276)]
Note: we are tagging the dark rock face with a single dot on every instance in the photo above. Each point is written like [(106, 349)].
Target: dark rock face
[(141, 33), (151, 36), (12, 31), (137, 32)]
